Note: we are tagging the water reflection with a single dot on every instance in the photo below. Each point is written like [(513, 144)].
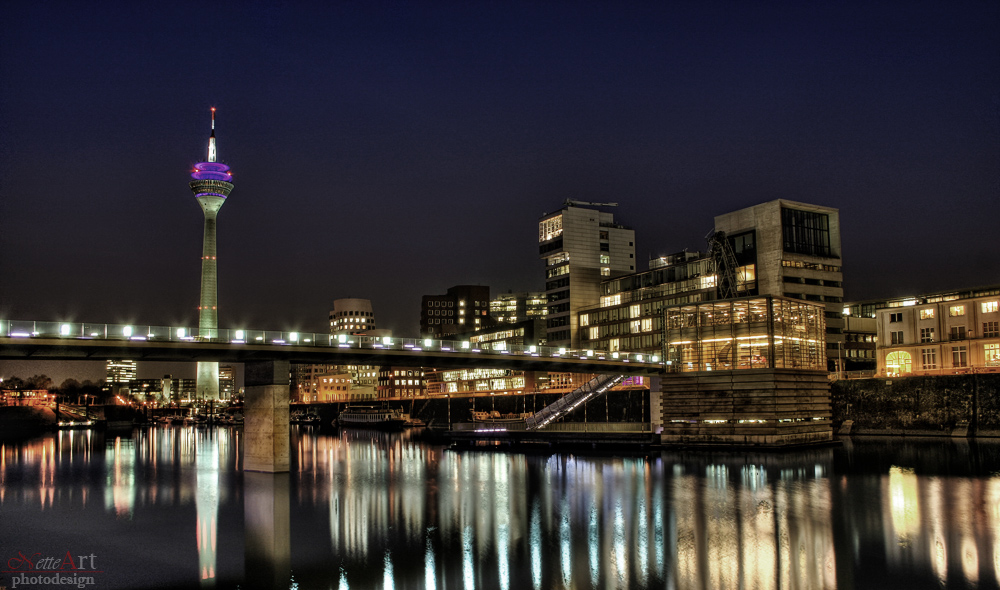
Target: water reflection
[(375, 510)]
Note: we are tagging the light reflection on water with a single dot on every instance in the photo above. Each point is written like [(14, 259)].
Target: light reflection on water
[(375, 510)]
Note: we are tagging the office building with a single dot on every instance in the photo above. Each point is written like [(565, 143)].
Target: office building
[(121, 371), (940, 334), (211, 185), (580, 246), (401, 383), (511, 308), (227, 382), (463, 308), (780, 248)]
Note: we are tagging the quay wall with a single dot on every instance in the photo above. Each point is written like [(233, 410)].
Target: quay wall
[(939, 405)]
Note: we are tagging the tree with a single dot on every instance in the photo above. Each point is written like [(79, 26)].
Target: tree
[(38, 382)]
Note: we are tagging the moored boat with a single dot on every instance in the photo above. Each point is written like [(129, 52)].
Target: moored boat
[(372, 417), (495, 417)]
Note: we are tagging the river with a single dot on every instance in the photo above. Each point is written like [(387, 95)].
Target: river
[(170, 507)]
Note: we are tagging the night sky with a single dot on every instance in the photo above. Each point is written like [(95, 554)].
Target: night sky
[(392, 150)]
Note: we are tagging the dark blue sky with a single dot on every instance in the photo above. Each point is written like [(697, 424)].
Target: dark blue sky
[(390, 150)]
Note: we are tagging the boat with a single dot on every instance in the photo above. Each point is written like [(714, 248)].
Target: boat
[(372, 417), (496, 417)]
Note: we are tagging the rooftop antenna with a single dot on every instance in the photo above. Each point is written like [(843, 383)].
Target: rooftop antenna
[(211, 140)]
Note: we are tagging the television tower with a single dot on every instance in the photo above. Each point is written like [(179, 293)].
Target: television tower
[(211, 185)]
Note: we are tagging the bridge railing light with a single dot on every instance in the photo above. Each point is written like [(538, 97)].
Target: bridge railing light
[(293, 337)]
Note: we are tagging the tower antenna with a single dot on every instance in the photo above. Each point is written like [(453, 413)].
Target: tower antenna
[(212, 154)]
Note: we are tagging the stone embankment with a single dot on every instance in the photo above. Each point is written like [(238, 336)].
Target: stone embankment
[(951, 405)]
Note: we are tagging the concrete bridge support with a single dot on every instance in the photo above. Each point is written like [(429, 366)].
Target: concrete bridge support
[(266, 416)]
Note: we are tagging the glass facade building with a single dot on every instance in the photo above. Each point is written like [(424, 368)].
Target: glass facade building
[(750, 333)]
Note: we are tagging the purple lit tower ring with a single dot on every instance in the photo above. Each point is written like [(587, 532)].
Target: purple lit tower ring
[(211, 184)]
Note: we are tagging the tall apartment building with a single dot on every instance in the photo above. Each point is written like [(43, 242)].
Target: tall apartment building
[(463, 308), (120, 371), (780, 248), (581, 247), (940, 333)]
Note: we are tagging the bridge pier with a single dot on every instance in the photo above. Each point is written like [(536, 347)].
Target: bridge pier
[(265, 411)]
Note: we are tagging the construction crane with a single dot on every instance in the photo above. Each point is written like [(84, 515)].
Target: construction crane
[(724, 264), (575, 202)]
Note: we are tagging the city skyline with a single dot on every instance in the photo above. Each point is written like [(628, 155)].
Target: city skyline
[(390, 152)]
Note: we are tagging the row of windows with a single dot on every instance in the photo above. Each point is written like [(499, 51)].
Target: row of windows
[(990, 330), (900, 362), (953, 311), (809, 265), (808, 281), (811, 297)]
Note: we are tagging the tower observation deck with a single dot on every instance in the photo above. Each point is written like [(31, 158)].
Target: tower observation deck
[(211, 185)]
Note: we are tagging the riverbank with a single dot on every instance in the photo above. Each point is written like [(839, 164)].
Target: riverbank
[(25, 421)]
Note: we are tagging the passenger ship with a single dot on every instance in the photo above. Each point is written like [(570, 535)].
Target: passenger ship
[(372, 417)]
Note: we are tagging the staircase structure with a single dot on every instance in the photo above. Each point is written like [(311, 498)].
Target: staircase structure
[(594, 388)]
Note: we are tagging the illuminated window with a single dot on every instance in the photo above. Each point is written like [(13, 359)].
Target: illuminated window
[(991, 353), (584, 320), (898, 362), (927, 314), (989, 306), (634, 311), (927, 334), (647, 325), (595, 333), (605, 271), (549, 228), (605, 259), (956, 310), (959, 356)]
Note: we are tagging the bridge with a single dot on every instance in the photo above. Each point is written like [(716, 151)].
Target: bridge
[(266, 356), (60, 341)]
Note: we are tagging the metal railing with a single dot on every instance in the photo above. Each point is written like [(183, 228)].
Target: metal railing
[(139, 332)]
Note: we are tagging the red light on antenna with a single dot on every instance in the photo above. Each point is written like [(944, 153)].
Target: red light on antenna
[(213, 109)]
